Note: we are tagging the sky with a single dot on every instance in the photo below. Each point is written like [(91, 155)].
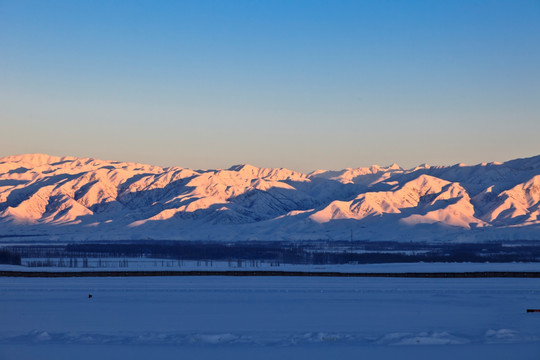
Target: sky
[(303, 85)]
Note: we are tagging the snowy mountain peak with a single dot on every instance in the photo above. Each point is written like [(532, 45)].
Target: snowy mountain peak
[(244, 168), (85, 198), (33, 159)]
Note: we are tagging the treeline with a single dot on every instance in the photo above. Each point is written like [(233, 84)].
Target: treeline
[(289, 253), (286, 252), (451, 256), (10, 258)]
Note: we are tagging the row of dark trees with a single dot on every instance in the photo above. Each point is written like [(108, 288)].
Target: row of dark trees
[(283, 252), (9, 257)]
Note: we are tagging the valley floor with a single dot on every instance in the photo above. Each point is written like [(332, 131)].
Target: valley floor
[(268, 318), (138, 264)]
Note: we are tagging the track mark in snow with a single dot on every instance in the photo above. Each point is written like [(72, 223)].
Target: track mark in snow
[(491, 336)]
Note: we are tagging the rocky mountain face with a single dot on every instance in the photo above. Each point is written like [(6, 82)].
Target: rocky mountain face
[(68, 198)]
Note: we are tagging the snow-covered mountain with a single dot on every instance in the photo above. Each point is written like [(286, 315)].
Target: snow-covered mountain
[(70, 198)]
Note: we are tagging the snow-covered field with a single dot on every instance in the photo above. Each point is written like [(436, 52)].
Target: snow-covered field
[(268, 318), (138, 264)]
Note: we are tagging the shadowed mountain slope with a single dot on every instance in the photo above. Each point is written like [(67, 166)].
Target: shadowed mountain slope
[(81, 198)]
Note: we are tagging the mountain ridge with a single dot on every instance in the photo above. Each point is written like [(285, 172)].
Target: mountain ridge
[(74, 198)]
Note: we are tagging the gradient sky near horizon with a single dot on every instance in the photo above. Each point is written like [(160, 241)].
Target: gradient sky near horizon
[(298, 84)]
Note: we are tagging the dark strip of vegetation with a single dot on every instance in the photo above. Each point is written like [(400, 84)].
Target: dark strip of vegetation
[(317, 253), (10, 258), (484, 274)]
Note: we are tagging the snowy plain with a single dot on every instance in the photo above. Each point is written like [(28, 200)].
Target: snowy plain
[(268, 318), (148, 264)]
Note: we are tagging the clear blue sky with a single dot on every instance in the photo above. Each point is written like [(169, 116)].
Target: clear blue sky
[(296, 84)]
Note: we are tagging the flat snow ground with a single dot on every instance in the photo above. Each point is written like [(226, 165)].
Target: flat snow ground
[(137, 264), (268, 318)]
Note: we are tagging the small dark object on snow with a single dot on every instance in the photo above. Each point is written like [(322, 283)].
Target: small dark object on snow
[(533, 310), (89, 296)]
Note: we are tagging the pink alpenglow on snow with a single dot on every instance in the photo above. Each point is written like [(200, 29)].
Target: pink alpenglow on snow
[(82, 198)]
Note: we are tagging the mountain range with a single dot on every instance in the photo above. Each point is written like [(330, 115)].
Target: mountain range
[(68, 199)]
